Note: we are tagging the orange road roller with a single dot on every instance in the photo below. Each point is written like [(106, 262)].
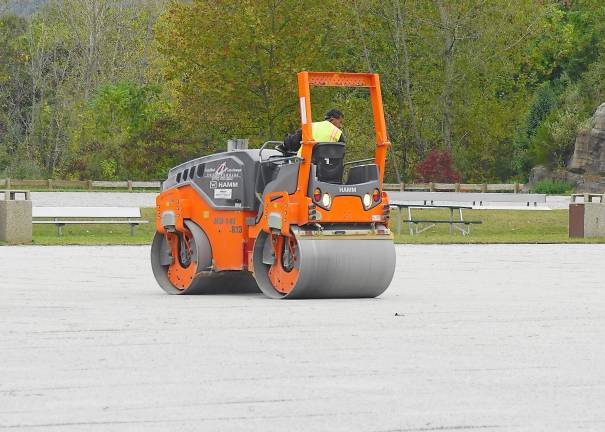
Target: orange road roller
[(287, 224)]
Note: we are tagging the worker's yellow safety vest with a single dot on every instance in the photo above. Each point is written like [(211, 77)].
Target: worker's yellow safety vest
[(324, 131)]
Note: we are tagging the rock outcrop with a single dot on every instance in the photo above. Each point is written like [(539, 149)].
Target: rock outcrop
[(589, 152), (586, 168)]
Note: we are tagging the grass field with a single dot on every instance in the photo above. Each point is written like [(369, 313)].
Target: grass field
[(97, 234), (499, 226)]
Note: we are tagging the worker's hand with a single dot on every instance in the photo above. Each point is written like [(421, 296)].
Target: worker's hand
[(280, 148)]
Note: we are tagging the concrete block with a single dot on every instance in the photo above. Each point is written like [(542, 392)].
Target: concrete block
[(594, 219), (15, 221)]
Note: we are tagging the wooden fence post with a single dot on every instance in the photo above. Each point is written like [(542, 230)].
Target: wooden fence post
[(8, 183), (50, 184), (431, 187), (129, 185), (516, 189), (484, 187), (457, 187), (402, 186), (89, 183)]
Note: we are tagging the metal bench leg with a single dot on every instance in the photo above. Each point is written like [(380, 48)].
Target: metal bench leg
[(410, 224), (399, 220), (59, 226)]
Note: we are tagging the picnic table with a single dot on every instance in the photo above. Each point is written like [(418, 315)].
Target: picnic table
[(415, 225)]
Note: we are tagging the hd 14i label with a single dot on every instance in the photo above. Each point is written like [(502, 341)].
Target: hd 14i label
[(222, 193)]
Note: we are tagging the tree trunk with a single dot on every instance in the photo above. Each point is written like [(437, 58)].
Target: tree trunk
[(448, 72), (402, 44)]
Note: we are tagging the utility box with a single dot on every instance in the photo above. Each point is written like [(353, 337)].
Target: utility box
[(15, 216), (587, 220)]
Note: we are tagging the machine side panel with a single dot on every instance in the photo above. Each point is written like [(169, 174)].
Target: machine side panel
[(226, 230), (223, 182), (226, 181), (286, 179)]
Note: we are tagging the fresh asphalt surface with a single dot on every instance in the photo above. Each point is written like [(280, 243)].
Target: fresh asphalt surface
[(506, 337)]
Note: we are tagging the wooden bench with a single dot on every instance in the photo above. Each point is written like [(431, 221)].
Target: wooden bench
[(61, 216)]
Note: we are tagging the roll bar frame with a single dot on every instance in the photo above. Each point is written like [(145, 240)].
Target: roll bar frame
[(338, 79)]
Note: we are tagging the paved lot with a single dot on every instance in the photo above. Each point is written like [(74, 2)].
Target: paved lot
[(487, 338)]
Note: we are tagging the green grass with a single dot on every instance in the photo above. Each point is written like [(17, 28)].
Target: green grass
[(102, 234), (552, 187), (499, 226)]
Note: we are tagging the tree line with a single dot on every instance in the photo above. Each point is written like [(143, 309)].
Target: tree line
[(110, 89)]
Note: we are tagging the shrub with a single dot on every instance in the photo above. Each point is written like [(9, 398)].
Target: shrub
[(552, 187), (436, 167)]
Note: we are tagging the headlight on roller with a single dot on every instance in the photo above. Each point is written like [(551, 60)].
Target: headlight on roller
[(326, 200), (367, 200)]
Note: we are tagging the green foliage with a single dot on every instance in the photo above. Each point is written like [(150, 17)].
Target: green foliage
[(482, 74), (544, 101), (232, 64), (554, 139), (109, 168), (125, 133), (566, 55), (570, 39), (552, 187), (14, 95), (115, 89)]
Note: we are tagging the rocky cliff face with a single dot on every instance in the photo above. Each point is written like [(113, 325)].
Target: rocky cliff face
[(589, 153), (586, 169)]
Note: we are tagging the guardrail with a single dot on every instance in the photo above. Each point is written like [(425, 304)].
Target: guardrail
[(51, 184), (454, 187)]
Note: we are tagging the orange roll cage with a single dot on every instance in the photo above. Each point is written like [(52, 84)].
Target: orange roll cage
[(337, 79)]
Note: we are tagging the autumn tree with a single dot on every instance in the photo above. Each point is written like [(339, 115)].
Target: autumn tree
[(452, 74), (232, 64)]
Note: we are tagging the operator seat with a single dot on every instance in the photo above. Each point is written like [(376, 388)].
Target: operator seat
[(329, 158)]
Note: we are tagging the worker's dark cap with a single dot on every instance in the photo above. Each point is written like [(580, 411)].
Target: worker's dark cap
[(334, 113)]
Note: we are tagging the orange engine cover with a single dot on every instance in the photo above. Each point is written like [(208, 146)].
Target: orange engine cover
[(226, 229)]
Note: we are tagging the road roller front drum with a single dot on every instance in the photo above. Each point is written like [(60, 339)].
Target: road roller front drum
[(323, 266)]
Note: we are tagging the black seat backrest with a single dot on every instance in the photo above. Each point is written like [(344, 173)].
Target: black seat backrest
[(329, 158), (362, 174)]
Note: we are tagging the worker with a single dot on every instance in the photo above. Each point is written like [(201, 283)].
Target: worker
[(329, 130)]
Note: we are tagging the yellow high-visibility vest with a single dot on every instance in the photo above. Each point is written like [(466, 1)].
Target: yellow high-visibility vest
[(324, 131)]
